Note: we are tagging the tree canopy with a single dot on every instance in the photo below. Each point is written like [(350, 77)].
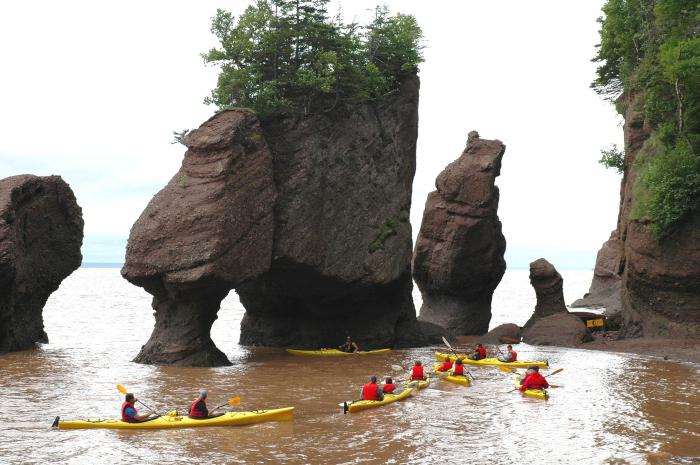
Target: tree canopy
[(651, 49), (291, 56)]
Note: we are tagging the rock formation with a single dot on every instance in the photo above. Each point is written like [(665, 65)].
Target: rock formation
[(206, 232), (342, 247), (508, 333), (551, 323), (606, 287), (458, 260), (549, 289), (306, 217), (41, 232), (659, 280)]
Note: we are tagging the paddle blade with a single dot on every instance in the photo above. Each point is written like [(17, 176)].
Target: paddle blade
[(507, 369), (234, 401), (555, 372), (121, 389), (446, 343)]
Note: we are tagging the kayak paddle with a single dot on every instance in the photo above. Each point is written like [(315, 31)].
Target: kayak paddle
[(457, 356), (232, 402), (123, 390)]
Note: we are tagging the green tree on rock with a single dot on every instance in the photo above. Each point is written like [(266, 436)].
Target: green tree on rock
[(290, 56)]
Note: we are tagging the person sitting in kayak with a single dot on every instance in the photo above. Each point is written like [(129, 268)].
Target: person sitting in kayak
[(417, 372), (533, 380), (371, 391), (446, 365), (479, 353), (389, 386), (129, 413), (349, 346), (198, 409), (458, 368), (510, 356)]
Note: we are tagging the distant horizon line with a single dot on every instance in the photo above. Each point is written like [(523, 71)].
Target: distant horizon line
[(119, 265)]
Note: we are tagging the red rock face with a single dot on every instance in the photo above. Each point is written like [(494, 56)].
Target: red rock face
[(41, 232), (549, 288), (206, 232), (659, 280), (458, 259), (306, 217)]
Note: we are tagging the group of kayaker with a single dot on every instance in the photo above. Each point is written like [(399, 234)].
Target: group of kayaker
[(457, 367), (198, 409), (372, 390)]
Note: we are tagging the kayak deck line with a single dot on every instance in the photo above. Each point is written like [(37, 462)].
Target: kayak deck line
[(333, 352), (441, 357), (178, 421)]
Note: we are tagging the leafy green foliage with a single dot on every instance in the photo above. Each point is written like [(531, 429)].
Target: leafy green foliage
[(289, 56), (651, 49), (613, 158)]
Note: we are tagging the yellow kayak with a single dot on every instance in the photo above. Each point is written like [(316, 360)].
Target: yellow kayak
[(353, 406), (459, 379), (419, 384), (177, 421), (333, 352), (536, 393), (491, 361)]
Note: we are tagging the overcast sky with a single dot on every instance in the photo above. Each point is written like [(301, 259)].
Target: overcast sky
[(93, 90)]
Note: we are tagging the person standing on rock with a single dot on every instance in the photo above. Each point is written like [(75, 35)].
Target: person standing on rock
[(510, 355), (479, 352), (371, 390), (349, 346), (129, 413)]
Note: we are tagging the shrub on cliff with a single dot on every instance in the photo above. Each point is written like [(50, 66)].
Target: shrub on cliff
[(652, 48), (290, 56)]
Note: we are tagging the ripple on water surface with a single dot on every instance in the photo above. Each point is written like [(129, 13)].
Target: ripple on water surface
[(609, 408)]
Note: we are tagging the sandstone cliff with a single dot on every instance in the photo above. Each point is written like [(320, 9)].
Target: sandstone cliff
[(305, 217), (658, 279), (458, 260), (206, 232), (41, 232)]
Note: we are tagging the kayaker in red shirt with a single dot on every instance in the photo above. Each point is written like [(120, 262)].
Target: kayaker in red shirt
[(446, 365), (349, 346), (459, 368), (129, 413), (389, 386), (479, 353), (533, 380), (510, 356), (417, 373), (371, 391), (199, 410)]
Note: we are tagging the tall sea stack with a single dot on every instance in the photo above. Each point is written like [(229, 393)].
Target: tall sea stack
[(458, 260), (306, 217), (41, 232)]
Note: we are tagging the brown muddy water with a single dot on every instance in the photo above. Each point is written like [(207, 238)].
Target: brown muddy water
[(608, 409)]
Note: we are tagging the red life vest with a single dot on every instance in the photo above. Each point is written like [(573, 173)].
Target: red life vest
[(482, 353), (534, 381), (446, 365), (513, 356), (124, 417), (195, 412), (417, 373), (459, 370), (370, 391), (388, 388)]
